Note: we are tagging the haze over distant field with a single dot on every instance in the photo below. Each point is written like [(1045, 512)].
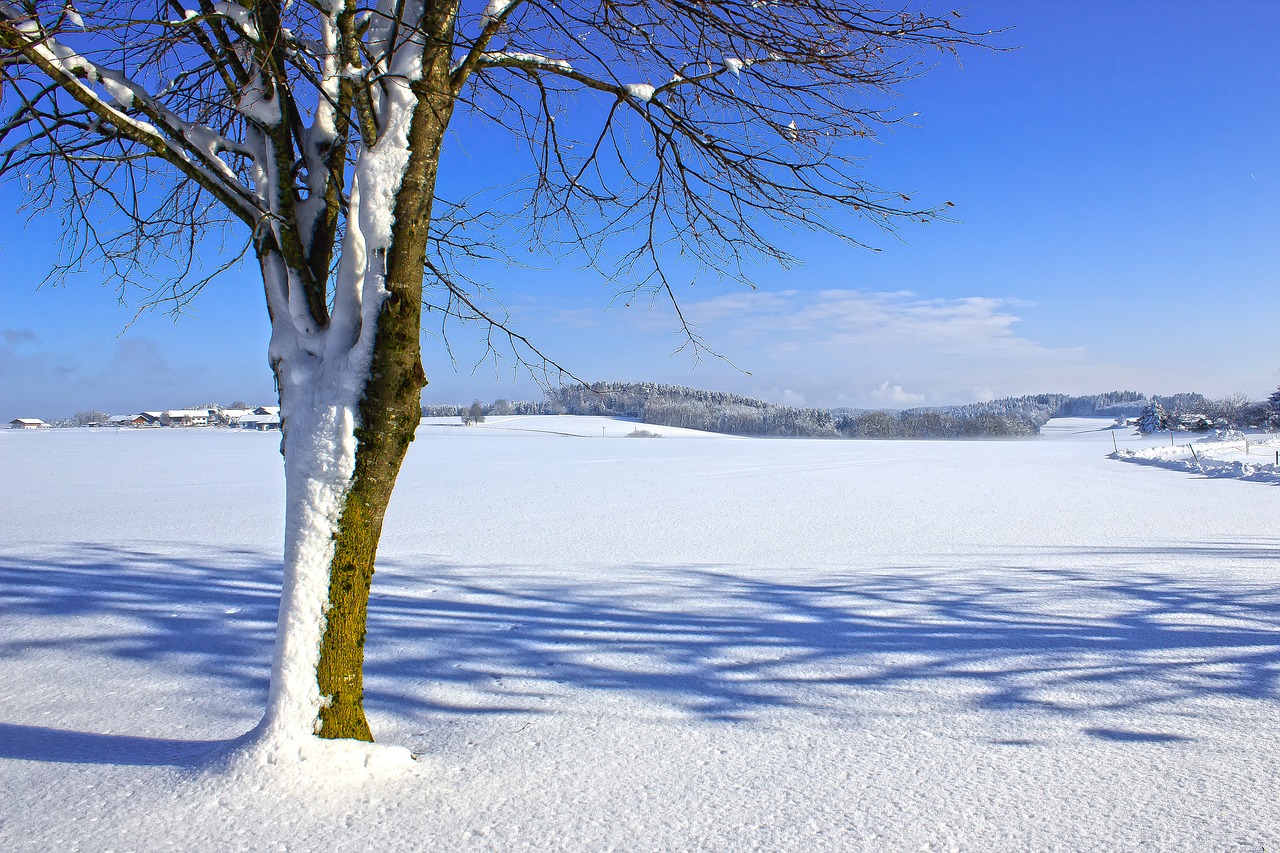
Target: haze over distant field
[(1115, 179)]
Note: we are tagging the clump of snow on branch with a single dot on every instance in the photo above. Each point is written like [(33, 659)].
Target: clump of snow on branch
[(72, 15), (240, 15), (119, 90), (495, 10), (639, 91), (256, 104), (495, 57)]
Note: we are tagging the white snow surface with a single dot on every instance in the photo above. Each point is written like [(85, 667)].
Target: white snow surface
[(595, 642)]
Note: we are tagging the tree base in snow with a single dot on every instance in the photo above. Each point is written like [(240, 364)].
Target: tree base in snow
[(346, 760)]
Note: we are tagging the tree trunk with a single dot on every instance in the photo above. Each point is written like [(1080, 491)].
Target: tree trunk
[(349, 407), (340, 468), (389, 414)]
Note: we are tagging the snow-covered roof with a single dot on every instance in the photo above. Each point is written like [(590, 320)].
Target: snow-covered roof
[(188, 413), (28, 422), (259, 419), (267, 410)]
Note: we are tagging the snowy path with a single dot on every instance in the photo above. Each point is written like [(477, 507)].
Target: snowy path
[(657, 645)]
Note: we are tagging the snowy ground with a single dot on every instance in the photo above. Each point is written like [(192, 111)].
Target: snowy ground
[(605, 643)]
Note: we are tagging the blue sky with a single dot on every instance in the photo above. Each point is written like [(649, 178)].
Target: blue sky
[(1116, 179)]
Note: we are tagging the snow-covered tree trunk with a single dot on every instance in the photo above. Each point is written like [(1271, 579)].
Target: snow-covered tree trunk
[(346, 436), (349, 413)]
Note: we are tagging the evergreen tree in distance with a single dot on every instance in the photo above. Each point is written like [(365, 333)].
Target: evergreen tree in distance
[(1272, 409), (1154, 418)]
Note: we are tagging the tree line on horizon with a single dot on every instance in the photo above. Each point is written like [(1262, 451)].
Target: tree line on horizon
[(735, 414)]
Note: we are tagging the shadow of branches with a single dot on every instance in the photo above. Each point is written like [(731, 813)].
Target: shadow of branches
[(719, 643), (1073, 631)]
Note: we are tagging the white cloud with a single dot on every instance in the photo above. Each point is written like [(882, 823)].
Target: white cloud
[(792, 397), (895, 395)]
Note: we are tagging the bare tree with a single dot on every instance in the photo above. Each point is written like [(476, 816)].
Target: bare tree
[(1236, 408), (314, 130), (90, 417)]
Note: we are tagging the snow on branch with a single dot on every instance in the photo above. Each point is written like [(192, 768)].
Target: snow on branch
[(188, 146), (497, 11), (528, 61)]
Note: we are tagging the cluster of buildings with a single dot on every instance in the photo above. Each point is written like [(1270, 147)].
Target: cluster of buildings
[(261, 418)]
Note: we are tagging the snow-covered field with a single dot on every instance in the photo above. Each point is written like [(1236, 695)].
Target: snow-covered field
[(603, 643)]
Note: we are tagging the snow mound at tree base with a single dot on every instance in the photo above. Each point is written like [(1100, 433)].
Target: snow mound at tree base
[(311, 758)]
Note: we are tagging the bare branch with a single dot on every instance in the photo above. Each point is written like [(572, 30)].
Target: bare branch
[(665, 139)]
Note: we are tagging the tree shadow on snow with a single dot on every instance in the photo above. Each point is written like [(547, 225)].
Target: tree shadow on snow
[(722, 644), (1066, 633), (213, 615), (40, 743)]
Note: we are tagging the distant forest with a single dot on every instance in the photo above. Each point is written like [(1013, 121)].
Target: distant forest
[(717, 411)]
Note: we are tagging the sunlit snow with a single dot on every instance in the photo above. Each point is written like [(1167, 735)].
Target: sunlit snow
[(688, 642)]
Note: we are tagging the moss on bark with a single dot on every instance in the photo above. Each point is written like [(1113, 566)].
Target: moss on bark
[(389, 412)]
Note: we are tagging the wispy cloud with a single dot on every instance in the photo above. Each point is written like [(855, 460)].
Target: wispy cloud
[(850, 318), (14, 337), (873, 349), (840, 347)]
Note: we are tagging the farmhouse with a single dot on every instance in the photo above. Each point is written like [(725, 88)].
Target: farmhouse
[(28, 423), (138, 420), (260, 422), (186, 418)]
